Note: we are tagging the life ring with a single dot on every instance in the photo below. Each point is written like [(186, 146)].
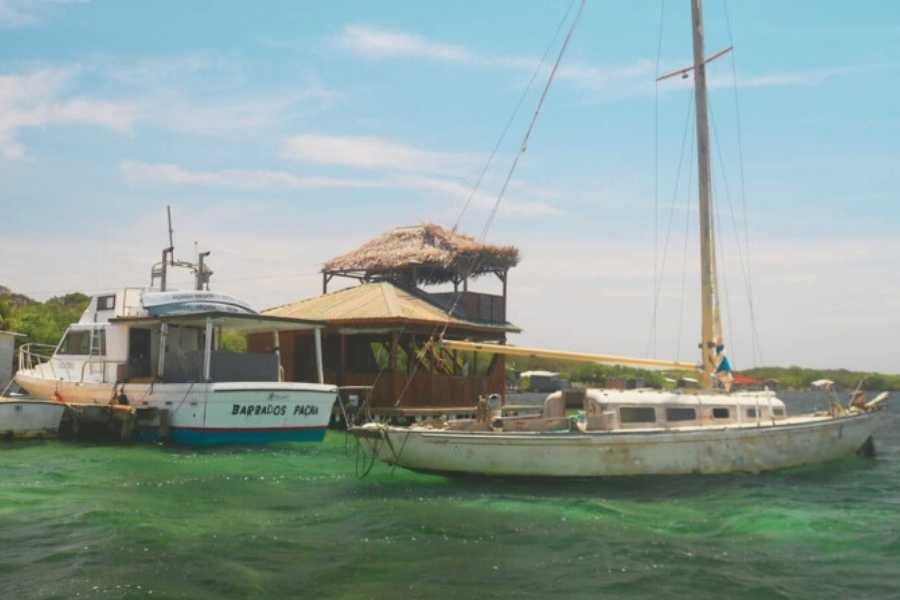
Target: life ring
[(57, 397)]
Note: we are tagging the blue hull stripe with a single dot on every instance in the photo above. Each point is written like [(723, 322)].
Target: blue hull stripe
[(214, 437)]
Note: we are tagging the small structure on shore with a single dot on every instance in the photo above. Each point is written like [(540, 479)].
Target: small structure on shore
[(543, 381), (383, 332), (7, 356)]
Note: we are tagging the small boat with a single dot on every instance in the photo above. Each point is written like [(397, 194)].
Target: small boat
[(639, 432), (159, 355), (22, 418)]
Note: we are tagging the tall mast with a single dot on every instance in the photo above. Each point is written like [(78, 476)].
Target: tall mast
[(709, 292)]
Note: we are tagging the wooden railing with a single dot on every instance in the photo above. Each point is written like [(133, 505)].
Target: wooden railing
[(424, 390)]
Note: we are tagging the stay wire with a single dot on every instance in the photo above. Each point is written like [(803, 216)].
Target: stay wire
[(476, 260), (653, 317), (658, 279), (512, 118), (740, 148)]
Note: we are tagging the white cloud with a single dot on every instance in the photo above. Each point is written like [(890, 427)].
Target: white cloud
[(139, 172), (635, 78), (381, 43), (169, 174), (369, 152), (24, 13), (37, 99)]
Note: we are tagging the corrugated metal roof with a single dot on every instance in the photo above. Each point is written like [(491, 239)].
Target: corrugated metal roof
[(381, 302)]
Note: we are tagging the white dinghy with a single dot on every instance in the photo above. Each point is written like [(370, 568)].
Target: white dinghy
[(22, 418), (640, 432)]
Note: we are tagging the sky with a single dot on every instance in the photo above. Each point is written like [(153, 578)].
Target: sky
[(284, 133)]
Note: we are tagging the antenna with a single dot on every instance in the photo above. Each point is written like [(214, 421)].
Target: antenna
[(171, 242)]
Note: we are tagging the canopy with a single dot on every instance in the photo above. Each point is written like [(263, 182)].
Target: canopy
[(232, 321)]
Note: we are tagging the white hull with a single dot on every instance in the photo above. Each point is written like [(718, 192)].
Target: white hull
[(210, 413), (744, 448), (24, 418)]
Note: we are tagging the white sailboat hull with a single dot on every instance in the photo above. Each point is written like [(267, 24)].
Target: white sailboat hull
[(706, 450), (26, 418), (209, 413)]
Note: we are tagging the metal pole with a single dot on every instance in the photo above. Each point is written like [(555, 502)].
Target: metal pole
[(163, 340), (707, 245), (319, 368), (207, 353)]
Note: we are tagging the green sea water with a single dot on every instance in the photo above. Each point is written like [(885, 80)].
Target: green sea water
[(292, 521)]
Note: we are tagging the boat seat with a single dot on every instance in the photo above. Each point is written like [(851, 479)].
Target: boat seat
[(554, 406), (595, 418)]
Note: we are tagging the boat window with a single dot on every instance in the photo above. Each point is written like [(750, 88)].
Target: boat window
[(751, 412), (778, 412), (79, 343), (721, 413), (76, 342), (681, 414), (106, 302), (637, 414)]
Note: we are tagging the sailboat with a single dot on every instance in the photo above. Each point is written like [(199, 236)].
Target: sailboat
[(639, 432)]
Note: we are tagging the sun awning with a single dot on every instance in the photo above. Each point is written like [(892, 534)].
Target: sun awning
[(231, 321)]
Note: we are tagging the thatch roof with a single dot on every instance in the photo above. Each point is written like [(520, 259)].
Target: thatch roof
[(437, 254), (380, 304)]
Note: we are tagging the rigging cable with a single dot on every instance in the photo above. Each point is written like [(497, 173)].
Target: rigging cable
[(658, 280), (512, 117), (651, 350), (523, 147), (740, 145)]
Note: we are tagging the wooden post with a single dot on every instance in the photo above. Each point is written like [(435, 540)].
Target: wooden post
[(276, 341), (319, 368), (504, 279), (342, 359), (395, 348), (207, 351)]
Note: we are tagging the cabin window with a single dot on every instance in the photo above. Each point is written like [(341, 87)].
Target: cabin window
[(778, 412), (637, 414), (681, 414), (76, 342), (721, 413), (751, 412), (106, 302), (79, 343)]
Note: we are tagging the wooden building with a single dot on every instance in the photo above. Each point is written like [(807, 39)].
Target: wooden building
[(384, 330)]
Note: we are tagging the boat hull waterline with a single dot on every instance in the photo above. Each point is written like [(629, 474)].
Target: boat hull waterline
[(703, 450), (27, 418), (210, 413)]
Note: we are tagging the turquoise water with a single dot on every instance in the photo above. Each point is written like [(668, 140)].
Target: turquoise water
[(94, 521)]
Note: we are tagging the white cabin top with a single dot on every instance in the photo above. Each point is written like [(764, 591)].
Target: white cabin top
[(150, 303)]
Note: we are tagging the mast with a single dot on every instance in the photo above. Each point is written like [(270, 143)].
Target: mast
[(710, 336)]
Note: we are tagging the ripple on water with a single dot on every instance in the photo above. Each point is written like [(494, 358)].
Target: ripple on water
[(120, 522)]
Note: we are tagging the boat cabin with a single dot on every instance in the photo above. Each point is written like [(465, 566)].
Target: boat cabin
[(651, 409), (143, 335)]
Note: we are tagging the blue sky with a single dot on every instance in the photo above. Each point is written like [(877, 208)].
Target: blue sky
[(284, 133)]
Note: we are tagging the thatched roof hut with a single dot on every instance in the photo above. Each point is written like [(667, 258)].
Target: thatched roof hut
[(426, 254)]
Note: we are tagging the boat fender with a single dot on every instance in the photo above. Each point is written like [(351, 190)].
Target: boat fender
[(56, 397), (122, 399)]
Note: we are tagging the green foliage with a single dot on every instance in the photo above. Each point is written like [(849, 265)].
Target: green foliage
[(233, 341), (41, 322), (586, 373), (800, 378)]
